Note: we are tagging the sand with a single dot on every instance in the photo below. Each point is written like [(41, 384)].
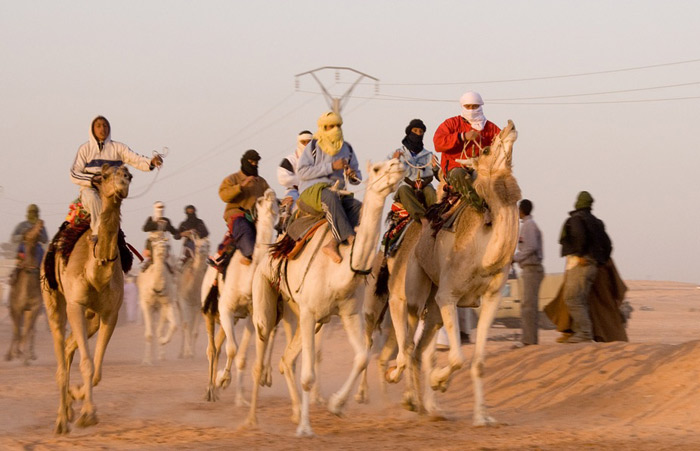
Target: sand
[(644, 394)]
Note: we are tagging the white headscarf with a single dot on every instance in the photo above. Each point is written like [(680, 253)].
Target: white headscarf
[(475, 117), (302, 137), (158, 209)]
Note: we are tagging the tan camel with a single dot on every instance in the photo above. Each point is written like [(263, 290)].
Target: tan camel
[(157, 295), (25, 298), (460, 267), (235, 302), (189, 285), (317, 288), (89, 294)]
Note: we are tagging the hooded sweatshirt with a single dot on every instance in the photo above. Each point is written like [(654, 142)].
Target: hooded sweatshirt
[(90, 158)]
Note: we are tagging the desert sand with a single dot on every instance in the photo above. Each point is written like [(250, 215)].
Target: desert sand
[(644, 394)]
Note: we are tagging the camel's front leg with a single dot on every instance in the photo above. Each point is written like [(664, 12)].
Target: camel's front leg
[(287, 363), (424, 358), (107, 326), (27, 341), (169, 313), (56, 314), (14, 350), (372, 310), (212, 355), (307, 325), (440, 377), (353, 328), (223, 378), (76, 318), (316, 396), (240, 360), (489, 306), (399, 318), (147, 332), (266, 377)]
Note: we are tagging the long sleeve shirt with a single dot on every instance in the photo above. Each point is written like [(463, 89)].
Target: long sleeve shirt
[(448, 141), (238, 196), (529, 244), (315, 166), (287, 175), (162, 225)]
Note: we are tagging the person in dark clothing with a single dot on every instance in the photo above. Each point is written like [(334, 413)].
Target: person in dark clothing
[(157, 223), (586, 245), (188, 228)]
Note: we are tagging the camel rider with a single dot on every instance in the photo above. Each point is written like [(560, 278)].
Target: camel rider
[(287, 177), (416, 192), (188, 229), (463, 137), (325, 162), (99, 150), (24, 227), (157, 223), (240, 190)]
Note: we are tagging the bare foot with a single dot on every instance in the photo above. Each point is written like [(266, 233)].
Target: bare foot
[(246, 261), (331, 250)]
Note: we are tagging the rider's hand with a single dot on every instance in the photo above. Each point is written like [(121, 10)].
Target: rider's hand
[(339, 164), (435, 162), (248, 180), (287, 201), (156, 161), (470, 135), (396, 154)]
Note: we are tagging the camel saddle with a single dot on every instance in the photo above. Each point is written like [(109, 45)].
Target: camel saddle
[(397, 221)]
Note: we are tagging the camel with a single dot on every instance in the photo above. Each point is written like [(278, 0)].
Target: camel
[(455, 269), (25, 298), (157, 294), (235, 302), (188, 294), (316, 287), (89, 294)]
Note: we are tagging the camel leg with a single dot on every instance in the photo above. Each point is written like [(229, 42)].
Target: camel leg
[(489, 306), (372, 310), (440, 377), (399, 318), (147, 333), (76, 318), (106, 329), (212, 356), (223, 379), (423, 358), (266, 378), (387, 353), (316, 396), (263, 319), (30, 317), (240, 361), (56, 314), (353, 328), (170, 311), (14, 350), (307, 325), (287, 364), (93, 325)]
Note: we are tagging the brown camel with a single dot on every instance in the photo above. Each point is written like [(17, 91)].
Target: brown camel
[(25, 298), (89, 293), (457, 268)]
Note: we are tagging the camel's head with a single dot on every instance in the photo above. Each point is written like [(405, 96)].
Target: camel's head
[(385, 176), (499, 155), (115, 181), (266, 207)]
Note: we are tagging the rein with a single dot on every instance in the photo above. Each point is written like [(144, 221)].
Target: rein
[(362, 272)]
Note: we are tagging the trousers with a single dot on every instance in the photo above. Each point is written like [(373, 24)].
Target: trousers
[(532, 276)]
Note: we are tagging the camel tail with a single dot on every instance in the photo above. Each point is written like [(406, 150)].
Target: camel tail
[(211, 302), (381, 289)]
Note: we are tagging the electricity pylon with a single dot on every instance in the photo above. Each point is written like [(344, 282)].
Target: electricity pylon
[(337, 103)]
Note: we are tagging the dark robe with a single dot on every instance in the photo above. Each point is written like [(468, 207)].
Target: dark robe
[(605, 299)]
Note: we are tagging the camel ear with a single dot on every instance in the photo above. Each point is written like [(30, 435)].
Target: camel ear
[(369, 166), (509, 127), (104, 169)]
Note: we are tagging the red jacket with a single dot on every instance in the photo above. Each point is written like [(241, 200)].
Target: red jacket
[(447, 140)]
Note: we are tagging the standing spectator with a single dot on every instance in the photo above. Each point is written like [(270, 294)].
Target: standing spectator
[(529, 258), (585, 245)]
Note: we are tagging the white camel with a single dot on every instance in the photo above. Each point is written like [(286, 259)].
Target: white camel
[(157, 295), (317, 288), (455, 269), (189, 285), (234, 301)]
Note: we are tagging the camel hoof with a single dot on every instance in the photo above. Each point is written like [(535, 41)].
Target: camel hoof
[(392, 375), (361, 397), (223, 379), (87, 419), (211, 395), (241, 402), (266, 380), (485, 421), (251, 422), (335, 405), (305, 431), (61, 427)]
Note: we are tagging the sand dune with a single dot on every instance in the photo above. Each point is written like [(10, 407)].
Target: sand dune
[(639, 395)]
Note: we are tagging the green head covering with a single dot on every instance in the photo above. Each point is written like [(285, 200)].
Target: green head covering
[(33, 213), (584, 200)]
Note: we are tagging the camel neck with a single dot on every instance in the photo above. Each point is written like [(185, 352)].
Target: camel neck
[(368, 231)]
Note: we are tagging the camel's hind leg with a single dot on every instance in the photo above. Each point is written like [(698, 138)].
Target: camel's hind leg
[(223, 378), (214, 344), (440, 377), (423, 359), (93, 325), (14, 349), (288, 360), (27, 344), (147, 311), (56, 314), (307, 325), (372, 310)]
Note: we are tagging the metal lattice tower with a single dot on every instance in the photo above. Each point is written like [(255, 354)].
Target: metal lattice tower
[(337, 103)]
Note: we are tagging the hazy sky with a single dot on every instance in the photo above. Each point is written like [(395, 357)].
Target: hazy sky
[(212, 79)]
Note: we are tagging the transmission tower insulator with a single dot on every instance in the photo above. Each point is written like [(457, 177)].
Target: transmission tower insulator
[(337, 75), (296, 83)]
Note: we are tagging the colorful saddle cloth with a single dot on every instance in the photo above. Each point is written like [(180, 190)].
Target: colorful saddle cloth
[(397, 221)]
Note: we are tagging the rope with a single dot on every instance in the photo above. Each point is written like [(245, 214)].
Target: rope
[(150, 185)]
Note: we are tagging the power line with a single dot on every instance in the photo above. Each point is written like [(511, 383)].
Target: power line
[(546, 77)]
